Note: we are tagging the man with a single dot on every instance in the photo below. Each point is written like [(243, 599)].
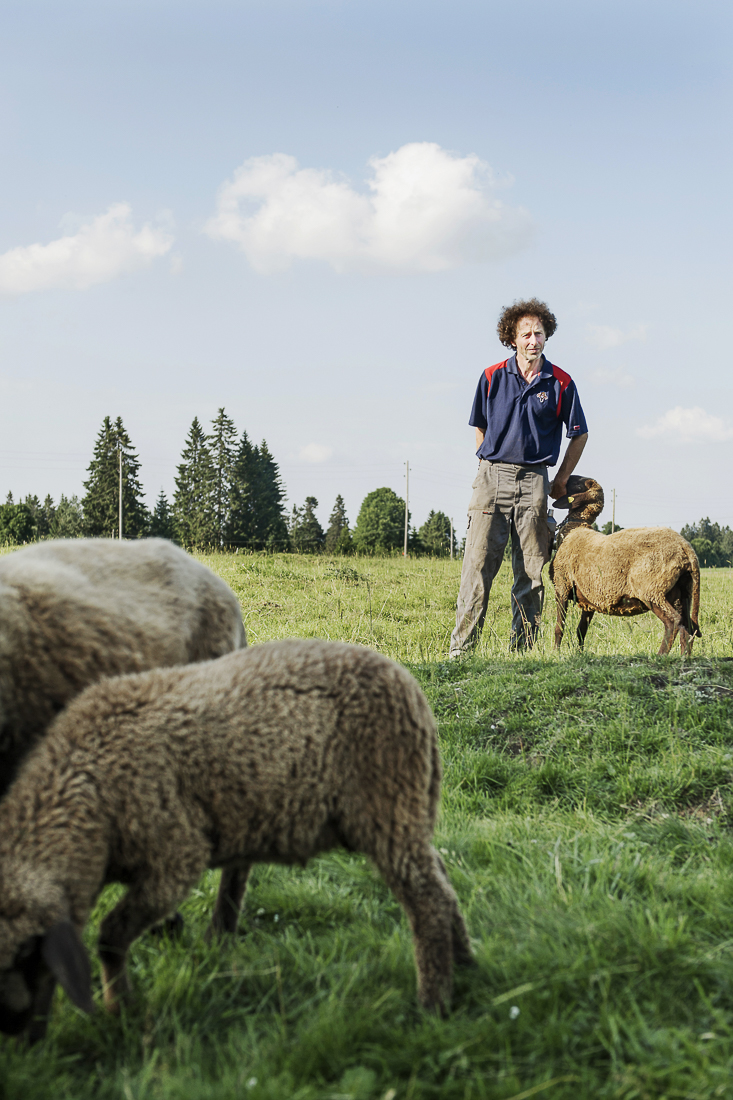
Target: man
[(519, 410)]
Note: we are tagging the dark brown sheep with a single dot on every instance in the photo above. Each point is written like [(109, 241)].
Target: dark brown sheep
[(73, 611), (627, 573), (271, 754)]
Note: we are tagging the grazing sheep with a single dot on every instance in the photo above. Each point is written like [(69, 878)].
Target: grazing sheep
[(270, 754), (627, 573), (76, 610)]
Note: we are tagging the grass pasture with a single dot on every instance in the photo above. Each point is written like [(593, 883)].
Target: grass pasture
[(587, 825)]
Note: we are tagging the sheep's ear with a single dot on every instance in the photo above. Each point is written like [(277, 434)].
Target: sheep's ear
[(66, 957), (582, 498)]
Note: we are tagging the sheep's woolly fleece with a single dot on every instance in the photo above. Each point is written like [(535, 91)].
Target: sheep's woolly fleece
[(74, 611), (268, 754)]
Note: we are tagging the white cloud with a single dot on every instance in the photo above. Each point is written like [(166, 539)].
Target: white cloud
[(315, 452), (426, 210), (104, 247), (617, 377), (687, 425), (603, 337)]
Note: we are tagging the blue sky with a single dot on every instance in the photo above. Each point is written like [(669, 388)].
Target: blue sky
[(216, 196)]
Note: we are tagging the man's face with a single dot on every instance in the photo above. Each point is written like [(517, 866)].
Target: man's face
[(530, 338)]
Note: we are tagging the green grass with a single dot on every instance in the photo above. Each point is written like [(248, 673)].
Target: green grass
[(406, 608), (586, 824)]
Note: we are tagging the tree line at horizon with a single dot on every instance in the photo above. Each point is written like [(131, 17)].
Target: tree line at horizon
[(712, 543), (228, 495)]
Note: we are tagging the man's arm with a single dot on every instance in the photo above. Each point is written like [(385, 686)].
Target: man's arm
[(480, 434), (575, 449)]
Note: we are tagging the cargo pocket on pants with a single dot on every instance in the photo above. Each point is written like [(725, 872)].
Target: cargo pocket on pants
[(540, 489), (485, 488)]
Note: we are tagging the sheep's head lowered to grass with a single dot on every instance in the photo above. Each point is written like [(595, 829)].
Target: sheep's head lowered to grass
[(585, 500)]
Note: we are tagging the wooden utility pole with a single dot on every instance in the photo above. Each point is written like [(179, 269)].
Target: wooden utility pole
[(613, 513), (407, 504), (451, 540), (119, 450)]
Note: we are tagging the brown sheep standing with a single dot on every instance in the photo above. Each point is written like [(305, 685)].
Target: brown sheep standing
[(270, 754), (73, 611), (627, 573)]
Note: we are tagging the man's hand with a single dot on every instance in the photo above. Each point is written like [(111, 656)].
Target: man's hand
[(572, 458)]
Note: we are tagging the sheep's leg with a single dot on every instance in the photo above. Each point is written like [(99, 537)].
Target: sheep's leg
[(41, 1008), (229, 900), (671, 619), (585, 619), (420, 885), (680, 601), (128, 920), (462, 954), (146, 902), (171, 926), (562, 607)]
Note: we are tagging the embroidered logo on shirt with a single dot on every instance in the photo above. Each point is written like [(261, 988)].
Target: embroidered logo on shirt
[(542, 397)]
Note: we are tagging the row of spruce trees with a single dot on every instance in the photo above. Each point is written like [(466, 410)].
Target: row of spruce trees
[(228, 494)]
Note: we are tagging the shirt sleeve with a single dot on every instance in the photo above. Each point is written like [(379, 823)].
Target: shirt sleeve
[(572, 413), (477, 419)]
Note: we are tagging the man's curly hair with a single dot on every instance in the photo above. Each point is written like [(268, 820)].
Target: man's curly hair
[(513, 314)]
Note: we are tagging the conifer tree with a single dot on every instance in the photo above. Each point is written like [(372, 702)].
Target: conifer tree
[(240, 530), (161, 522), (222, 445), (194, 517), (33, 504), (68, 520), (306, 533), (434, 535), (101, 503), (338, 536), (42, 515), (45, 521), (293, 524), (270, 526)]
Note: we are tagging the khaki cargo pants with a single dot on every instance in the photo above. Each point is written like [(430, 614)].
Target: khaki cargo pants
[(507, 500)]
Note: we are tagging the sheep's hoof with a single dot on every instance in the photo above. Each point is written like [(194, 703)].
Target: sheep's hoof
[(113, 998), (36, 1032), (219, 931), (171, 926), (465, 960), (436, 1008), (436, 1003)]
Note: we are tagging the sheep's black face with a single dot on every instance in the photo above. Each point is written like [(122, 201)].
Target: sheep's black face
[(18, 987), (584, 499)]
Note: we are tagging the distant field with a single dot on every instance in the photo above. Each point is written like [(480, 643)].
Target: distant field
[(406, 608), (586, 824)]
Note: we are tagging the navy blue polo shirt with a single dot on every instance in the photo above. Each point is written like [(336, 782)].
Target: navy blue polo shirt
[(523, 421)]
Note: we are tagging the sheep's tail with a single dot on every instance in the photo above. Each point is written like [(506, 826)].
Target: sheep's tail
[(693, 601)]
